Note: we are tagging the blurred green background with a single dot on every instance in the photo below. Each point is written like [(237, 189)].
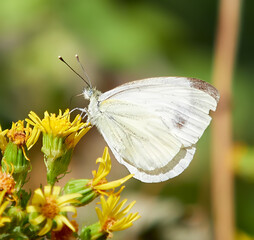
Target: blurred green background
[(120, 41)]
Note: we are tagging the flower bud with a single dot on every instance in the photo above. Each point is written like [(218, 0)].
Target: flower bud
[(15, 160), (17, 214), (57, 157), (83, 187), (93, 232)]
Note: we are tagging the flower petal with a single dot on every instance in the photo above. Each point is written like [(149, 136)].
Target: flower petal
[(118, 208), (56, 191), (100, 216), (66, 222), (125, 211), (47, 227), (47, 190), (59, 223), (33, 137), (68, 198), (38, 197), (69, 209), (37, 220), (3, 206), (3, 220), (113, 184), (32, 208)]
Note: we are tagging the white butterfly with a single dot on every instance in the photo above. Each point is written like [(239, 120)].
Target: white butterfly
[(152, 125)]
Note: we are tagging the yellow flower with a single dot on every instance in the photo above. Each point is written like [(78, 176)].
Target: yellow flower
[(112, 218), (19, 135), (60, 136), (61, 126), (92, 188), (50, 206), (99, 181), (3, 220)]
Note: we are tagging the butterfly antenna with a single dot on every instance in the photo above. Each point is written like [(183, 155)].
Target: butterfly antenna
[(60, 58), (84, 71)]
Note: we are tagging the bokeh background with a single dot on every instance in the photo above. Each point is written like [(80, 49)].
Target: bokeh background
[(120, 41)]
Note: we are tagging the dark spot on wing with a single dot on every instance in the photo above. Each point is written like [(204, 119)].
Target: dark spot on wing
[(205, 87), (179, 121)]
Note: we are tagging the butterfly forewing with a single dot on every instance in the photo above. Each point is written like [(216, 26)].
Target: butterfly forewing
[(152, 125)]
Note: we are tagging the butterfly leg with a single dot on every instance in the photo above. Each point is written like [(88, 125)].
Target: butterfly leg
[(82, 110)]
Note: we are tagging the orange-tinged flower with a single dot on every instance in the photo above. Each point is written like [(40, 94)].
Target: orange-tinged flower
[(21, 135)]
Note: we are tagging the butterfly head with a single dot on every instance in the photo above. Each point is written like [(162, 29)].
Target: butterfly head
[(89, 92)]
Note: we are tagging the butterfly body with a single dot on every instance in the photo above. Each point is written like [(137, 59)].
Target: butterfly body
[(152, 125)]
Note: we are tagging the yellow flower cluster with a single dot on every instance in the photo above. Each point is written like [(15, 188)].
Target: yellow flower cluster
[(60, 126), (48, 207), (111, 218)]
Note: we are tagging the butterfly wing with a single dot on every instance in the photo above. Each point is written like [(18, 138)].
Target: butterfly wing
[(152, 125)]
